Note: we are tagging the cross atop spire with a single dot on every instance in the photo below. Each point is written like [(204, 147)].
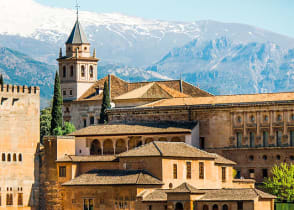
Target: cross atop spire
[(77, 7)]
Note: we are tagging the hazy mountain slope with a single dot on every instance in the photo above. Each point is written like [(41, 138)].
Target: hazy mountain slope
[(39, 31), (223, 66)]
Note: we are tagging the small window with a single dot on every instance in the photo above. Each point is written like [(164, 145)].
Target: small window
[(224, 174), (188, 167), (9, 157), (279, 118), (20, 157), (71, 71), (251, 157), (175, 171), (62, 171), (252, 118), (239, 119), (88, 204), (85, 123), (202, 143), (265, 118), (225, 207), (92, 120), (264, 173), (14, 157), (70, 92), (205, 207), (20, 199), (150, 207), (83, 71), (215, 207), (201, 170), (264, 157), (3, 157), (9, 199), (85, 48), (91, 72), (292, 157), (240, 205), (278, 157), (64, 72), (251, 173), (64, 92)]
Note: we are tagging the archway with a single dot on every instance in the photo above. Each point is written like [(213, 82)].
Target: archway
[(108, 147), (215, 207), (225, 207), (95, 148), (179, 206), (205, 207), (120, 146)]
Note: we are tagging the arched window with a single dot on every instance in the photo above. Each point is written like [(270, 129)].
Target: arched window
[(83, 71), (14, 157), (225, 207), (179, 206), (64, 71), (91, 72), (95, 148), (205, 207), (92, 120), (120, 146), (71, 71), (3, 157), (20, 157), (215, 207), (108, 147), (9, 157)]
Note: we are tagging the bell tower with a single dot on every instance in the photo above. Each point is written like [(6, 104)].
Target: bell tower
[(77, 68)]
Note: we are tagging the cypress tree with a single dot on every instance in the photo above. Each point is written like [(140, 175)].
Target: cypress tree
[(105, 104), (56, 113), (1, 80)]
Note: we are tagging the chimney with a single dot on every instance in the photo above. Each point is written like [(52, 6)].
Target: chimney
[(60, 53)]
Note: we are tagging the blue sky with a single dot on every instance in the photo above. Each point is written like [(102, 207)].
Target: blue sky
[(274, 15)]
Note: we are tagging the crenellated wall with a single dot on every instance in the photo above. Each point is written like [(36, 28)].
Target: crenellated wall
[(19, 146)]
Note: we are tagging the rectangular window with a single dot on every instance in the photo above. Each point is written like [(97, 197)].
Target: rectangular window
[(85, 123), (88, 204), (201, 170), (70, 92), (240, 205), (150, 207), (175, 171), (251, 173), (92, 120), (19, 199), (9, 199), (188, 167), (64, 92), (202, 143), (291, 138), (265, 138), (252, 139), (223, 174), (279, 138), (238, 175), (264, 173), (62, 171), (239, 139)]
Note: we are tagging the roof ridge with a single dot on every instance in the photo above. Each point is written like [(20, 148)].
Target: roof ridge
[(160, 152)]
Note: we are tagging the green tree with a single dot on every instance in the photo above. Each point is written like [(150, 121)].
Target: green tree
[(1, 80), (56, 120), (281, 184), (66, 129), (45, 122), (105, 104)]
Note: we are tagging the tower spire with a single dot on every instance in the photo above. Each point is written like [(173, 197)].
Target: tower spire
[(77, 7)]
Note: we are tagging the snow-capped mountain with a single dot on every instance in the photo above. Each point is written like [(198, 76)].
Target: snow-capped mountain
[(39, 31), (223, 66)]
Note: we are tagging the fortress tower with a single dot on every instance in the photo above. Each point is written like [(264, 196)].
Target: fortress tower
[(78, 68)]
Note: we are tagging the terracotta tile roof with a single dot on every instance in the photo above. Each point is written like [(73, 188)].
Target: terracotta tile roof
[(120, 87), (185, 188), (246, 194), (129, 129), (90, 158), (167, 149), (221, 160), (114, 177), (152, 91), (224, 100), (156, 195)]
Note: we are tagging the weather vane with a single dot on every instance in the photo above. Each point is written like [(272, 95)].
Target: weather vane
[(77, 6)]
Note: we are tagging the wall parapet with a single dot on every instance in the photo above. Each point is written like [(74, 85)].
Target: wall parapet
[(9, 88)]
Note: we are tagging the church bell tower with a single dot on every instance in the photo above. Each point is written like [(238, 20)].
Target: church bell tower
[(77, 68)]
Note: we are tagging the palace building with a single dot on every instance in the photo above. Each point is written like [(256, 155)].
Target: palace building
[(19, 147)]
